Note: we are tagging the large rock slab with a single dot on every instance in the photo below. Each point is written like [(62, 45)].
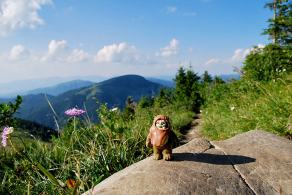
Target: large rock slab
[(255, 162), (197, 168), (271, 173)]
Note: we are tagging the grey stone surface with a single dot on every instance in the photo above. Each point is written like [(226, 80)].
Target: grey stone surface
[(255, 162), (271, 173), (197, 168)]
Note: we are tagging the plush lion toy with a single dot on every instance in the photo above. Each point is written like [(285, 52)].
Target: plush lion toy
[(161, 138)]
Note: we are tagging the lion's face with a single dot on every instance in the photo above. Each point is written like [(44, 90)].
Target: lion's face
[(162, 124)]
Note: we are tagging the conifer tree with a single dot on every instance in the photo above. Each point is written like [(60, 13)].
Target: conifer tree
[(129, 111), (206, 77), (218, 80), (274, 60), (180, 84), (164, 98), (187, 89), (280, 26)]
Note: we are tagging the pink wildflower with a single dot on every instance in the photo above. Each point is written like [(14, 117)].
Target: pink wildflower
[(6, 131), (74, 112)]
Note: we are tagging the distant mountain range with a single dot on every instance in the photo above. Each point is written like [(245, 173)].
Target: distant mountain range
[(25, 87), (55, 85), (227, 77), (58, 85), (113, 91), (61, 88)]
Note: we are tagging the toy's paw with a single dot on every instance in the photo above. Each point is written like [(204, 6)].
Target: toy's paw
[(167, 157), (157, 157)]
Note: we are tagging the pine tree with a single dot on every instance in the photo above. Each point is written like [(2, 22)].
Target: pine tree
[(280, 26), (129, 111), (206, 77), (164, 98), (187, 89), (145, 102), (274, 60), (218, 80), (180, 84)]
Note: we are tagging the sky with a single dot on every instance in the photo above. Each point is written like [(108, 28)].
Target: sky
[(63, 38)]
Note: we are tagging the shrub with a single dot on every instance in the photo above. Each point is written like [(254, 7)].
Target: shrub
[(7, 111), (247, 105), (270, 62)]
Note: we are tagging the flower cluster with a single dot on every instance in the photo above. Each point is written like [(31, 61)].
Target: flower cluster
[(74, 112), (114, 109), (6, 131)]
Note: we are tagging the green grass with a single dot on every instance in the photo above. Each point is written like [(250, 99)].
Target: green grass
[(87, 153), (246, 105), (18, 138)]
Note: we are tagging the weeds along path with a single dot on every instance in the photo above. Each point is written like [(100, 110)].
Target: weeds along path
[(193, 131)]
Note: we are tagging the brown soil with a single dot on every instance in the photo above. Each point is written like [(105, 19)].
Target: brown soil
[(194, 131)]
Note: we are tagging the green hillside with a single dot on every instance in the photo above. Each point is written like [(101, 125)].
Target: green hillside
[(114, 92)]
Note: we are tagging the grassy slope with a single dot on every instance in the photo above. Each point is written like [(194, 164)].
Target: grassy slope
[(246, 105), (89, 153)]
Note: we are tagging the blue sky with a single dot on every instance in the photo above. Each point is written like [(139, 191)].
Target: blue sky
[(48, 38)]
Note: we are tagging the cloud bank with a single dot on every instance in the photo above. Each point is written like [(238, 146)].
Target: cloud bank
[(170, 50), (232, 62), (58, 58), (117, 53), (18, 14)]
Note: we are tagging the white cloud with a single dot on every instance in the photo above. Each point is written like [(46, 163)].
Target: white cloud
[(56, 50), (78, 55), (212, 61), (233, 61), (59, 59), (240, 54), (169, 50), (261, 46), (171, 9), (17, 14), (17, 52), (56, 46), (117, 53)]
